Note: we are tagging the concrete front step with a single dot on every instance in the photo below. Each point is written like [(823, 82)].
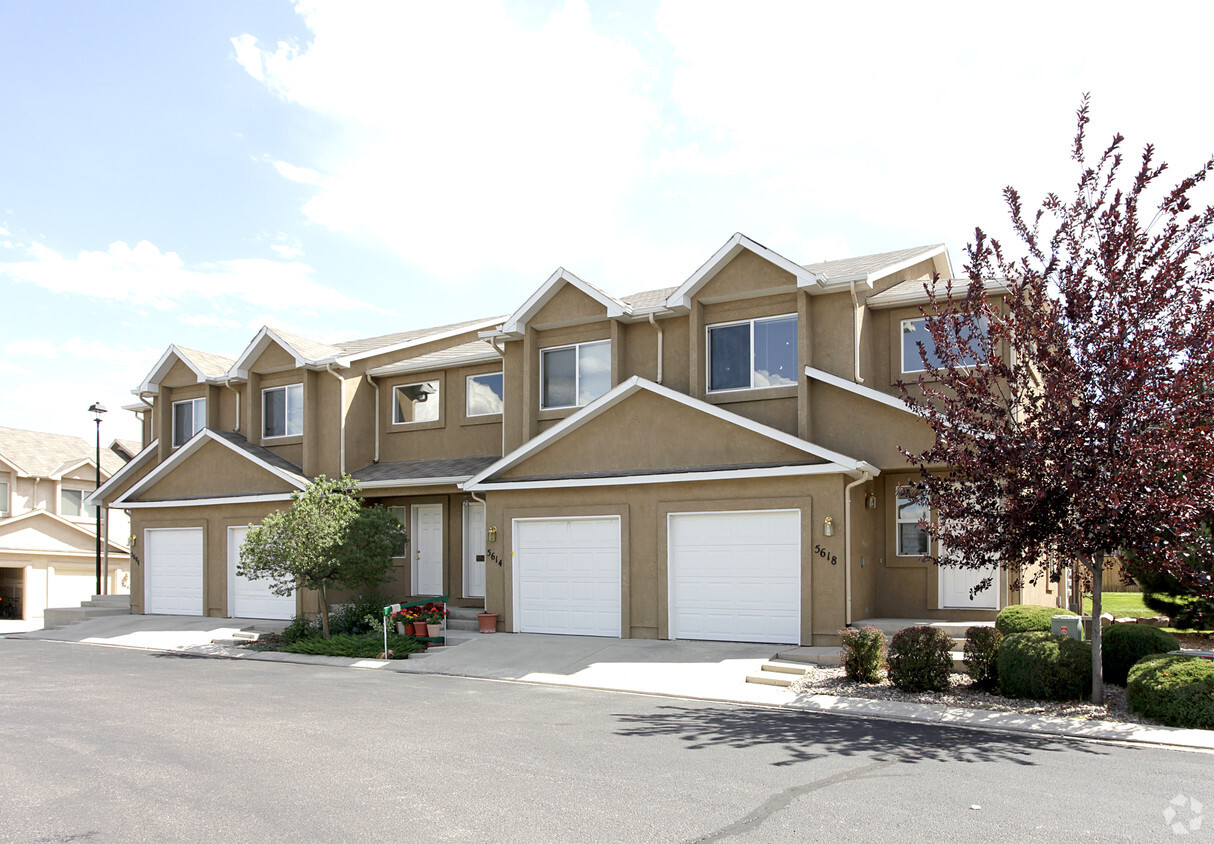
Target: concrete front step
[(54, 617), (462, 624), (812, 655), (108, 601), (890, 626)]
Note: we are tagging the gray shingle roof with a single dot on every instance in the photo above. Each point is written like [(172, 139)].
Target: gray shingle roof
[(354, 347), (262, 454), (129, 448), (39, 453), (647, 298), (420, 470), (205, 362), (865, 264), (310, 349), (437, 360)]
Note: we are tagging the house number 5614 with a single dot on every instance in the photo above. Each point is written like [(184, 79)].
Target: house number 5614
[(826, 555)]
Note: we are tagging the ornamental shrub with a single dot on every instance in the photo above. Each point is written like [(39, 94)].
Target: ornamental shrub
[(358, 647), (1025, 618), (1125, 644), (1174, 690), (350, 618), (300, 628), (863, 653), (1042, 666), (982, 655), (920, 659)]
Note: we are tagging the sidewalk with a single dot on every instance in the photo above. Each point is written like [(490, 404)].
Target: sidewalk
[(712, 671)]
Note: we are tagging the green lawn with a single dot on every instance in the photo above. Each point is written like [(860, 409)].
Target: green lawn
[(1120, 604)]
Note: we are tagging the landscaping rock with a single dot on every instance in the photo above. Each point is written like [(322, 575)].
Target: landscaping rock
[(1106, 619), (1126, 620), (1155, 620)]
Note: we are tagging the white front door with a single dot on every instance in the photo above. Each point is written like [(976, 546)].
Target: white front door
[(567, 576), (474, 549), (426, 541), (252, 598), (173, 563), (735, 576), (956, 583)]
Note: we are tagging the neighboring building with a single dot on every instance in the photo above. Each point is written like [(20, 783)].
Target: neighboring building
[(48, 530), (713, 460)]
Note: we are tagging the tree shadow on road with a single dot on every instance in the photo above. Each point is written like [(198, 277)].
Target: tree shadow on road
[(807, 735)]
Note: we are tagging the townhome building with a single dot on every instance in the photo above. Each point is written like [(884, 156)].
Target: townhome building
[(715, 459)]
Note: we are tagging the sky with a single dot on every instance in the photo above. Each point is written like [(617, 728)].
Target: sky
[(188, 172)]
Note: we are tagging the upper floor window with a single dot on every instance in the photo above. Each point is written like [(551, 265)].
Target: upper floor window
[(752, 354), (914, 332), (484, 394), (415, 403), (4, 498), (72, 506), (189, 417), (572, 376), (911, 537), (282, 411)]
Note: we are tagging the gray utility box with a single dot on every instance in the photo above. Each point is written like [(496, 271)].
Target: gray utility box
[(1067, 625)]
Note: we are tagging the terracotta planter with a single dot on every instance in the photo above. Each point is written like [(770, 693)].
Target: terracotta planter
[(487, 621), (411, 629), (435, 630)]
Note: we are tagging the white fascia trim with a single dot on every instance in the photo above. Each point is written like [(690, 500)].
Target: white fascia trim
[(837, 283), (30, 515), (672, 478), (425, 366), (637, 383), (17, 470), (681, 298), (517, 322), (137, 407), (858, 389), (58, 474), (407, 482), (192, 445), (207, 502), (253, 350), (920, 297), (131, 466), (418, 341), (151, 384)]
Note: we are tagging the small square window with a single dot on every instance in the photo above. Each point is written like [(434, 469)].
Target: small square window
[(72, 506), (484, 394), (416, 403), (189, 417), (282, 411), (912, 539), (4, 498), (753, 354), (914, 332), (574, 376)]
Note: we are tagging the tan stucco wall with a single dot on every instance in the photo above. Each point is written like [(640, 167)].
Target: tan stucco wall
[(568, 305), (214, 470)]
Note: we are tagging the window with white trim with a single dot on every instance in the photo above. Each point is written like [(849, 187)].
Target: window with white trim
[(282, 411), (752, 354), (72, 506), (4, 508), (914, 332), (484, 394), (912, 539), (416, 403), (189, 417), (573, 376)]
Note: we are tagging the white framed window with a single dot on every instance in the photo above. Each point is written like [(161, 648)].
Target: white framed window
[(752, 354), (282, 411), (484, 395), (914, 332), (912, 539), (4, 508), (189, 417), (573, 376), (72, 506), (416, 403)]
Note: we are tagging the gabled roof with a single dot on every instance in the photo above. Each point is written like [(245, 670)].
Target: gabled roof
[(36, 453), (7, 526), (858, 389), (118, 478), (204, 365), (478, 351), (385, 343), (126, 449), (681, 297), (305, 352), (834, 462), (914, 292), (263, 457), (867, 269), (516, 323), (449, 470)]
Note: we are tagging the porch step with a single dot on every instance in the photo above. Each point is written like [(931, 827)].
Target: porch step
[(463, 618), (55, 617), (812, 656), (110, 601)]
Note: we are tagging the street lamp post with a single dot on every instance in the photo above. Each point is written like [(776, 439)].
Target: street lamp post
[(97, 408)]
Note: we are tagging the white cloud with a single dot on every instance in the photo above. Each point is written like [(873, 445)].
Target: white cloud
[(143, 275), (41, 348), (7, 367), (285, 251), (210, 321)]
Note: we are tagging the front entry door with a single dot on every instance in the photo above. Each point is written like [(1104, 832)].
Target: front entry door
[(956, 583), (474, 549), (427, 545)]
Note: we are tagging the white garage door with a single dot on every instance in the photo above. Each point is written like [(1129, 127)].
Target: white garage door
[(172, 571), (567, 576), (252, 598), (736, 576)]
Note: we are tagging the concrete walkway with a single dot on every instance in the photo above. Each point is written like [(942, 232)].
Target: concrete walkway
[(714, 671)]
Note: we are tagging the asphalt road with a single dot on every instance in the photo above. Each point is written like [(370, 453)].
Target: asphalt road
[(106, 744)]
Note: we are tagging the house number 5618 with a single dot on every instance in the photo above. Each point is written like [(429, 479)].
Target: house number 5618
[(826, 555)]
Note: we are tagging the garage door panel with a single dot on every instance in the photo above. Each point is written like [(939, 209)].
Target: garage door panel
[(173, 566), (735, 576), (568, 575)]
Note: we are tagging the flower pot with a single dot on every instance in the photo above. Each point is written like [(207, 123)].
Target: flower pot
[(402, 629), (411, 629), (435, 630), (487, 622)]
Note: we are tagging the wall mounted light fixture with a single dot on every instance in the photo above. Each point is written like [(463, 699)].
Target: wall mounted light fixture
[(828, 527), (870, 501), (493, 533)]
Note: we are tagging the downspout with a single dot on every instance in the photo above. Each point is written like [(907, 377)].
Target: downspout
[(375, 387), (341, 416), (227, 382), (855, 305), (502, 354), (865, 478), (654, 323)]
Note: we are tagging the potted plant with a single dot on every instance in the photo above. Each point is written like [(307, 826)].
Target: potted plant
[(487, 622), (434, 620)]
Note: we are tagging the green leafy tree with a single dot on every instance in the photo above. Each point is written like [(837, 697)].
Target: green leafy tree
[(325, 540), (1181, 601)]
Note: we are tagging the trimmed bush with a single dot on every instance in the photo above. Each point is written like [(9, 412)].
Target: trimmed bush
[(920, 659), (982, 656), (1026, 618), (350, 618), (863, 653), (1174, 690), (1125, 644), (1041, 666), (300, 628), (357, 647)]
